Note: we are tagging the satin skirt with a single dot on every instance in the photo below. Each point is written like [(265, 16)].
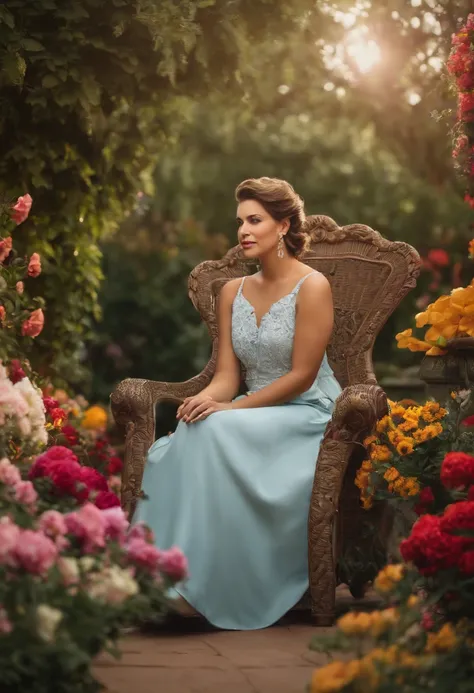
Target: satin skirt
[(233, 492)]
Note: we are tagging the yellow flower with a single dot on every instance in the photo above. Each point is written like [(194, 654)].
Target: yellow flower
[(405, 447), (355, 622), (391, 474), (395, 437), (367, 502), (431, 431), (405, 340), (442, 641), (382, 620), (412, 601), (412, 487), (384, 424), (366, 466), (95, 418), (396, 409), (408, 425), (334, 676), (432, 411), (388, 577), (362, 479), (369, 440), (380, 453)]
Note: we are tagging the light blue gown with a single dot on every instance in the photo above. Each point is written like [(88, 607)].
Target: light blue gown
[(233, 491)]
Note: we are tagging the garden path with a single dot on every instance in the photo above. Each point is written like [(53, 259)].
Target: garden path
[(275, 660)]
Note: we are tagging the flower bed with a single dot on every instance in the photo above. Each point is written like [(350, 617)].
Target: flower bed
[(73, 572)]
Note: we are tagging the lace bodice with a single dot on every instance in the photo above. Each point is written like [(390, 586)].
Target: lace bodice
[(265, 350)]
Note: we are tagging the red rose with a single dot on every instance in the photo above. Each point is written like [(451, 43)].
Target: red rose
[(425, 499), (93, 479), (57, 453), (468, 421), (439, 257), (71, 434), (458, 516), (58, 416), (431, 549), (15, 371), (106, 499), (114, 466), (457, 470), (466, 563), (66, 476), (50, 404)]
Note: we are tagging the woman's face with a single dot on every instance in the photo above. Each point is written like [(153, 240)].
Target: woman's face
[(259, 232)]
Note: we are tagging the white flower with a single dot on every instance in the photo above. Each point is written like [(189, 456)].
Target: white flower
[(36, 411), (86, 563), (47, 621), (113, 585), (69, 569)]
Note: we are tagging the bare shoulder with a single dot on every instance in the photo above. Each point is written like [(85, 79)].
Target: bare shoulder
[(315, 288), (230, 289)]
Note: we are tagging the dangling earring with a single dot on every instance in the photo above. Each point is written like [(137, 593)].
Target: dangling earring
[(280, 251)]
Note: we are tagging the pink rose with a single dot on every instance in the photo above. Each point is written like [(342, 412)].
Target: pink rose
[(53, 524), (9, 537), (141, 531), (25, 493), (106, 499), (34, 265), (35, 552), (5, 248), (9, 474), (88, 525), (33, 326), (20, 287), (174, 564), (144, 554), (116, 523), (21, 210)]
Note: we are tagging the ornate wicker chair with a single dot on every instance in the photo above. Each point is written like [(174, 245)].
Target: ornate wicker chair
[(369, 276)]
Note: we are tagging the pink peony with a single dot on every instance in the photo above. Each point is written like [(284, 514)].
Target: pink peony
[(25, 493), (50, 403), (144, 554), (106, 499), (141, 531), (21, 210), (116, 523), (34, 265), (174, 564), (88, 525), (9, 474), (5, 248), (9, 537), (35, 552), (20, 287), (53, 524), (33, 326)]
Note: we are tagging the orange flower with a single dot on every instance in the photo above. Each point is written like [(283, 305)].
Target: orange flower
[(471, 249), (405, 340), (391, 474), (405, 447), (33, 325)]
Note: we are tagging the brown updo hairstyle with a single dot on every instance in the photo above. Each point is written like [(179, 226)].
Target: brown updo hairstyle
[(280, 201)]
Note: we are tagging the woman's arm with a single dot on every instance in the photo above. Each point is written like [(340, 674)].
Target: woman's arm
[(225, 383), (314, 323)]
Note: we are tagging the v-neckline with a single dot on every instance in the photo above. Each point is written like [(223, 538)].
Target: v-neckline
[(258, 324)]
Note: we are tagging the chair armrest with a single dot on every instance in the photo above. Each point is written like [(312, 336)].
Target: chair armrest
[(133, 407), (357, 410)]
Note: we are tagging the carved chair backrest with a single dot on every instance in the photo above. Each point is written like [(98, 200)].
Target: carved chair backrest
[(369, 276)]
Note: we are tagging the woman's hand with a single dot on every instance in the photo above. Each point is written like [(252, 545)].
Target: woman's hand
[(203, 410), (186, 409)]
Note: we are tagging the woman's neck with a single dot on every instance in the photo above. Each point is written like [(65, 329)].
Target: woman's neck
[(274, 268)]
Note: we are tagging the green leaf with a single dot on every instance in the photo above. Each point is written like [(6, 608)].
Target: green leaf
[(32, 45), (49, 81), (7, 18)]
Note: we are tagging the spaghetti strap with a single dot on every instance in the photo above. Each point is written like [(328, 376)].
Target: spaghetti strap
[(241, 286), (298, 286)]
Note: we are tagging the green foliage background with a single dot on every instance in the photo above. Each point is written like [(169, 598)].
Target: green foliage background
[(101, 99)]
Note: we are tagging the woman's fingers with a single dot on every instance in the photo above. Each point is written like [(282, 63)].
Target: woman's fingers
[(198, 409), (204, 415)]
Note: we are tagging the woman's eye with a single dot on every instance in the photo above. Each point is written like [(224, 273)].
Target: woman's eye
[(254, 220)]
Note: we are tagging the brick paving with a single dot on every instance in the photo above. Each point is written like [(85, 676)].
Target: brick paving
[(275, 660)]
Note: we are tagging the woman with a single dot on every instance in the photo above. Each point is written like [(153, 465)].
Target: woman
[(232, 486)]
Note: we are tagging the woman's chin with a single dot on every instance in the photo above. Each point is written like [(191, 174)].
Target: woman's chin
[(250, 253)]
